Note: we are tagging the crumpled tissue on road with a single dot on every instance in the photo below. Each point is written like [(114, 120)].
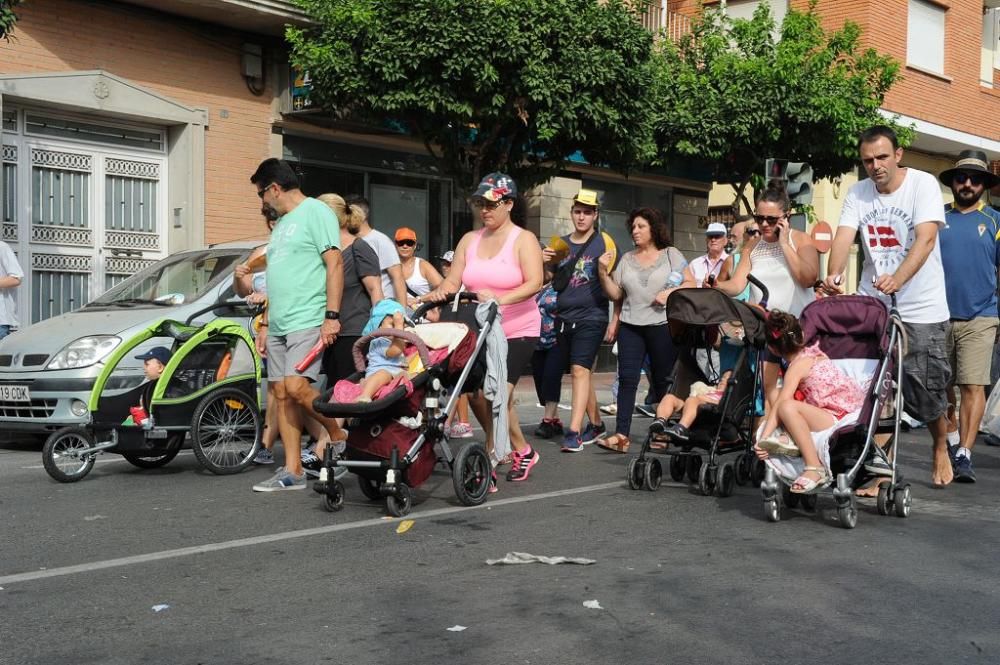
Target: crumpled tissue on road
[(524, 557)]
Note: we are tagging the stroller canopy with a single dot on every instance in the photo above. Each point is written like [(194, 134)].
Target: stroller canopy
[(847, 326), (705, 307)]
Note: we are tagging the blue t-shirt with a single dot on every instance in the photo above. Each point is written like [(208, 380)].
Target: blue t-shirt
[(970, 254), (583, 299)]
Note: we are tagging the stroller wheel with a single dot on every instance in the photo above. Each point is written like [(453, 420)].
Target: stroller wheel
[(635, 471), (470, 474), (789, 498), (726, 482), (882, 502), (848, 514), (334, 500), (772, 509), (707, 478), (742, 469), (399, 504), (60, 454), (901, 501), (693, 467), (757, 471), (677, 464), (369, 488), (652, 475), (226, 431)]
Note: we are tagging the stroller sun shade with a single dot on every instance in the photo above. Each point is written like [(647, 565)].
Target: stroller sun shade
[(851, 326), (704, 307)]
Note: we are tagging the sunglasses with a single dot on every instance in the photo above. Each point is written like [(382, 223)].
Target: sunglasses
[(767, 219), (962, 178), (261, 192), (406, 243), (483, 204), (752, 232)]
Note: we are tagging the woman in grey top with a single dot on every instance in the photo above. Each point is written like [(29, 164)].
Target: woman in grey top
[(639, 287)]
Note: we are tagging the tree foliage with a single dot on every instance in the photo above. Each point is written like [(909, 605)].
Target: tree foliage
[(736, 95), (7, 18), (488, 85)]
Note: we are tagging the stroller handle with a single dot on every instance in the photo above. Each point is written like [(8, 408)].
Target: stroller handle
[(412, 338), (764, 293), (468, 296)]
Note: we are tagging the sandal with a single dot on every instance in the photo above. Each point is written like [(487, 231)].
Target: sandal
[(778, 444), (808, 485), (616, 443)]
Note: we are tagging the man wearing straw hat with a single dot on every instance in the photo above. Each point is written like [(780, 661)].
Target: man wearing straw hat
[(970, 254)]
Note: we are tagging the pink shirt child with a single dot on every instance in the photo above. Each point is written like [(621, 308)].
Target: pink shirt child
[(827, 387)]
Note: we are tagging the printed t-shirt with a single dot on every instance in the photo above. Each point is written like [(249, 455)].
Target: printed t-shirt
[(583, 299), (888, 229), (296, 273), (970, 254)]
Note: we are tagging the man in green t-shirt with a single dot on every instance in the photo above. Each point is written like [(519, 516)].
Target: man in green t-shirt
[(305, 282)]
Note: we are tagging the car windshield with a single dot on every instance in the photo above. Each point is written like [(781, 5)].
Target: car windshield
[(176, 280)]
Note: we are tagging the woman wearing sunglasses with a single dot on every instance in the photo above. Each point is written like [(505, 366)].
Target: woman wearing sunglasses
[(783, 259), (421, 277)]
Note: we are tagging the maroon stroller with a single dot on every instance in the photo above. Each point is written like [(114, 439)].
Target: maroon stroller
[(855, 329)]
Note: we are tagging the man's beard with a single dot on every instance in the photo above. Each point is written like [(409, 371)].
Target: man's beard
[(965, 196), (270, 214)]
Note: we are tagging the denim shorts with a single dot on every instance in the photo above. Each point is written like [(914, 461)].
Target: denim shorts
[(580, 341), (926, 370)]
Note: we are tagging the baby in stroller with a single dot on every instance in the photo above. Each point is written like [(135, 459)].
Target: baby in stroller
[(815, 396), (386, 355), (728, 344)]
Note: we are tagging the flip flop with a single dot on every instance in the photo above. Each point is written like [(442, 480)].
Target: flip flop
[(616, 443)]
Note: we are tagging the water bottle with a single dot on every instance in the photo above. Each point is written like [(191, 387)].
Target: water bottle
[(675, 279)]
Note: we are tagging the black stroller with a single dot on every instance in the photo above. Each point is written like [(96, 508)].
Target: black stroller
[(855, 328), (695, 316)]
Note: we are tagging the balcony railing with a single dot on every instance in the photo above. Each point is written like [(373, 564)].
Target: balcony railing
[(657, 19)]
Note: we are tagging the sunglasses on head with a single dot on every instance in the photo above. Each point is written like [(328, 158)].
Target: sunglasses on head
[(974, 178), (767, 219), (406, 243)]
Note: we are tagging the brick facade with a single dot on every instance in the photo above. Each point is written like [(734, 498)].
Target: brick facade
[(193, 63)]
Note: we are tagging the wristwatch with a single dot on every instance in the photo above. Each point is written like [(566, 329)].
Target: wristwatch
[(332, 315)]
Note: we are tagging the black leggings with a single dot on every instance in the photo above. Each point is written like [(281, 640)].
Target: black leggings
[(634, 343)]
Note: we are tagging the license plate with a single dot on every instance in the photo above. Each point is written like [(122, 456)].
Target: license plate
[(15, 394)]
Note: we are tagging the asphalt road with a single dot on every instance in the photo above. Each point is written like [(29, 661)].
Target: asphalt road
[(178, 566)]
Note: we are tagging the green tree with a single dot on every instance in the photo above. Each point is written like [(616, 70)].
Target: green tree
[(7, 18), (735, 94), (519, 86)]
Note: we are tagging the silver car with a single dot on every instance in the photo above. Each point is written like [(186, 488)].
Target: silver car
[(48, 369)]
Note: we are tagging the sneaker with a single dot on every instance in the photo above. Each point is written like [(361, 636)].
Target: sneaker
[(522, 466), (592, 433), (911, 421), (610, 409), (311, 463), (280, 481), (264, 456), (461, 431), (658, 426), (991, 440), (878, 464), (963, 469), (572, 443), (678, 432), (548, 428), (648, 410)]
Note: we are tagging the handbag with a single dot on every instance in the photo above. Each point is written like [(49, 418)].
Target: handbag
[(560, 280)]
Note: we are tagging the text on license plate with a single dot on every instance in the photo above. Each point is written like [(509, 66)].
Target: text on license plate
[(14, 394)]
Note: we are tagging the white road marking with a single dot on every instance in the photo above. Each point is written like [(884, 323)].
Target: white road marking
[(115, 460), (292, 535)]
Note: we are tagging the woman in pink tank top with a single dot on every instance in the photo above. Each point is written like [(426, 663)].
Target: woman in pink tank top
[(502, 262)]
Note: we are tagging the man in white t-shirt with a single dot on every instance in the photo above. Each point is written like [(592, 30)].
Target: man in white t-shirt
[(393, 282), (898, 212)]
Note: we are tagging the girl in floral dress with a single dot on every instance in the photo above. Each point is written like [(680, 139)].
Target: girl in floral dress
[(814, 399)]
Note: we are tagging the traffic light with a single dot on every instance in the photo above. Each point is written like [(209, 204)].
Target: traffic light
[(798, 177)]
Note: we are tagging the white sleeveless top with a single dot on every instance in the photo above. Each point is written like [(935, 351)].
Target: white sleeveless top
[(769, 265), (417, 282)]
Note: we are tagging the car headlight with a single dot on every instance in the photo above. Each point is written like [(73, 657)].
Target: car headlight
[(84, 352)]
